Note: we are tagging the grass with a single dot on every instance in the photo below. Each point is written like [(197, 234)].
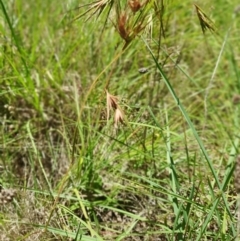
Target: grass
[(163, 170)]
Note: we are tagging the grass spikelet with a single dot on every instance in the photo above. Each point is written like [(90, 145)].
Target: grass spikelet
[(94, 7), (135, 5), (112, 104), (205, 21), (122, 27)]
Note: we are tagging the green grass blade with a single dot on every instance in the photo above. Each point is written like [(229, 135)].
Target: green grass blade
[(188, 120), (14, 37)]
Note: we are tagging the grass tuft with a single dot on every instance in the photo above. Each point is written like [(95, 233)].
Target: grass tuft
[(119, 120)]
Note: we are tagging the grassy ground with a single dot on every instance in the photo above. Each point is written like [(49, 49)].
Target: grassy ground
[(164, 170)]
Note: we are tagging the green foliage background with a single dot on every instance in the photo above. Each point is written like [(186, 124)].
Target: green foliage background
[(75, 176)]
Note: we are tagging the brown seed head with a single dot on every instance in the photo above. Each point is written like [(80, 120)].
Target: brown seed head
[(122, 29), (135, 5), (112, 103), (118, 117)]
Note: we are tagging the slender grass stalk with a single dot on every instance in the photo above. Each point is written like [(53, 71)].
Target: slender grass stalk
[(174, 184), (88, 223), (84, 224), (35, 149), (188, 120), (214, 72)]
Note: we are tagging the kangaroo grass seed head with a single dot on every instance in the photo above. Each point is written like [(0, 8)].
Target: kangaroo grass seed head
[(122, 27), (129, 20), (205, 21), (118, 117), (112, 101), (135, 5), (94, 8), (112, 104)]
